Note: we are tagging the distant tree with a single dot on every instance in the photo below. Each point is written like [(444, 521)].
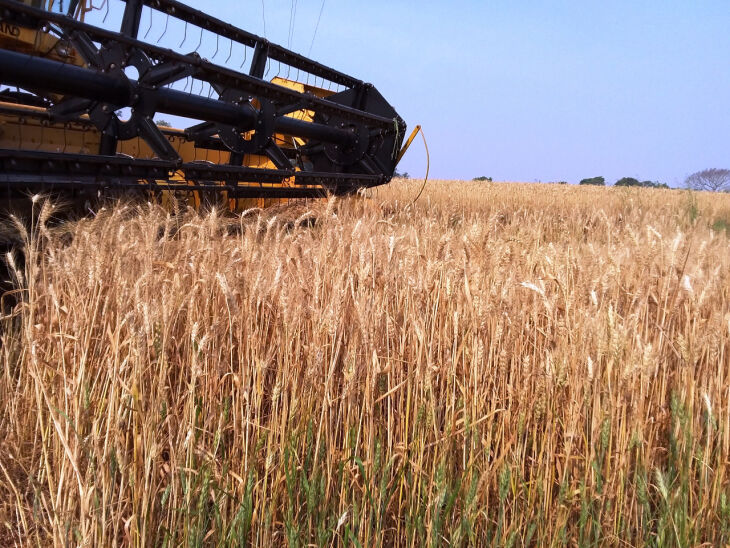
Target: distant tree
[(628, 181), (596, 181), (483, 179), (714, 180), (654, 184), (163, 123)]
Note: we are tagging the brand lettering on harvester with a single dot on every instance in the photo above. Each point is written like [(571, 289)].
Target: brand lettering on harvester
[(7, 28)]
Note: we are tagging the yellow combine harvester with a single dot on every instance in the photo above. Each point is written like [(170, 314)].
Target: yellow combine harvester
[(78, 105)]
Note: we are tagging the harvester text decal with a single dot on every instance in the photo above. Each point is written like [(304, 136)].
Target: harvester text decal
[(7, 28)]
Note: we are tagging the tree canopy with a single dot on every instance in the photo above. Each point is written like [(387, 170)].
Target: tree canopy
[(713, 179), (596, 181), (631, 181)]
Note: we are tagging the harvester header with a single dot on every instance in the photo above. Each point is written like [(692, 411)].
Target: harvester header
[(78, 105)]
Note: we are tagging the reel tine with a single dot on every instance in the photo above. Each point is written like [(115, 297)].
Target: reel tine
[(167, 22), (230, 52), (150, 27), (217, 42), (200, 41), (185, 35)]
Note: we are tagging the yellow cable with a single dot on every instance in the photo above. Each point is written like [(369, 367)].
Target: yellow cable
[(428, 165)]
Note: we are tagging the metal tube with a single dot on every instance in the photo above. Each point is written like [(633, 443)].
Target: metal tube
[(31, 72), (317, 132), (36, 73), (244, 118), (179, 103)]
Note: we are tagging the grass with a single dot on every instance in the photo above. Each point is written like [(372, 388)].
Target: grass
[(495, 365)]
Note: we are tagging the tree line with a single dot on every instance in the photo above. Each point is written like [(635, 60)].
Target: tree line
[(713, 180), (624, 181)]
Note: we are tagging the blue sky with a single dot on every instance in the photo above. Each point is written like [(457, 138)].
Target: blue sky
[(531, 90)]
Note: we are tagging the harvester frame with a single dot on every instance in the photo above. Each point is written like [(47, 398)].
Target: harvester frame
[(275, 139)]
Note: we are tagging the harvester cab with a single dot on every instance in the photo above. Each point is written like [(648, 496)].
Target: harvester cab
[(257, 122)]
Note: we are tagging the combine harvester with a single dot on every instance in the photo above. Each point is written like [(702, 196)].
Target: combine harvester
[(277, 126)]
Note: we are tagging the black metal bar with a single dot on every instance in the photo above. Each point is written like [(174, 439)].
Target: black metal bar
[(131, 18), (280, 192), (236, 159), (311, 130), (249, 191), (179, 103), (30, 72), (27, 71), (258, 63), (36, 167), (108, 145)]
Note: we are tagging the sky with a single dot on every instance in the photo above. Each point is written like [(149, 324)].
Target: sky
[(518, 90)]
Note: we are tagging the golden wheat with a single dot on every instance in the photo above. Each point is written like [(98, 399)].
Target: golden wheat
[(493, 365)]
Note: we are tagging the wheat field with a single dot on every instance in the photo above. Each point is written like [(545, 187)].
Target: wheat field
[(493, 365)]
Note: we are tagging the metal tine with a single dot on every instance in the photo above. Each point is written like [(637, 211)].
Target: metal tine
[(150, 27), (167, 22), (185, 35), (230, 52), (245, 55), (200, 41), (217, 42)]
